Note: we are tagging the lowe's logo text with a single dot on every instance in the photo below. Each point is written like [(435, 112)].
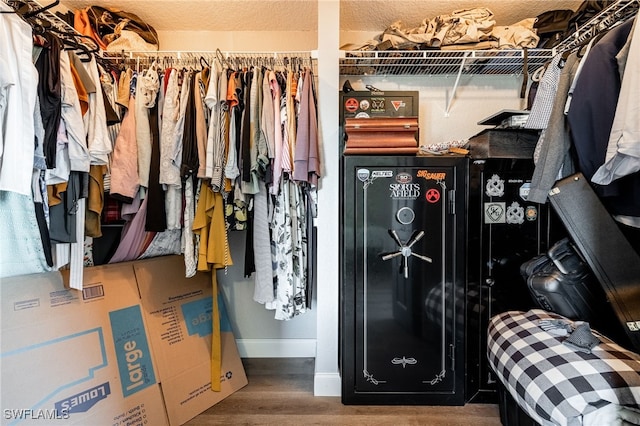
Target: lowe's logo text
[(83, 401)]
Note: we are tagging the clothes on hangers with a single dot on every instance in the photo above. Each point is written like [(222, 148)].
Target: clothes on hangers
[(545, 95), (160, 139), (72, 116), (147, 86), (214, 148), (246, 123), (554, 159), (53, 104), (156, 216), (23, 233), (623, 149), (169, 171), (49, 93), (307, 158), (98, 139), (589, 98), (201, 117), (125, 180), (246, 94), (591, 118)]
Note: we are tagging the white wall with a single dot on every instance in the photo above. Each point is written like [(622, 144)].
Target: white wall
[(256, 331), (327, 379), (446, 115), (254, 41)]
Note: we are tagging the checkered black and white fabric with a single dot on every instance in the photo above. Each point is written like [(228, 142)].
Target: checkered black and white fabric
[(555, 384)]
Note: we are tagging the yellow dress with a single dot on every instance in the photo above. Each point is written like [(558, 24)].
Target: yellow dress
[(213, 253)]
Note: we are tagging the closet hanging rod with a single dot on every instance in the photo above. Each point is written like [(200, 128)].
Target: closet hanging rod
[(619, 10), (38, 9), (188, 54), (41, 12)]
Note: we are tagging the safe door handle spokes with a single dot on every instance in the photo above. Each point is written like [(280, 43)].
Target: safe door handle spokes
[(405, 250)]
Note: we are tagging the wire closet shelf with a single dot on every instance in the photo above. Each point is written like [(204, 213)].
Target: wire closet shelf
[(500, 62), (440, 62)]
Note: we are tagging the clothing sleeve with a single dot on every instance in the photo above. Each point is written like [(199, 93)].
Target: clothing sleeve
[(554, 161)]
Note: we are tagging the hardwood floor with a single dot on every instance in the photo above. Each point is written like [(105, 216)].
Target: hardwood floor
[(280, 392)]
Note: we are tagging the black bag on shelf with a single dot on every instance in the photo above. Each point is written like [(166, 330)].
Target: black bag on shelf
[(552, 27)]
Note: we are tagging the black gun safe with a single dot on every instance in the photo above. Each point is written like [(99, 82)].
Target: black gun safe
[(504, 231), (403, 279)]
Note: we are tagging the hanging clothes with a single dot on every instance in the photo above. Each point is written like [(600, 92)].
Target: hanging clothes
[(125, 180), (19, 75), (98, 138), (263, 276), (209, 225), (231, 170), (623, 149), (95, 201), (215, 100), (276, 94), (306, 155), (201, 125), (156, 220), (288, 248), (213, 253), (27, 253), (169, 170), (147, 85), (179, 158), (135, 240), (591, 119), (554, 158), (189, 162), (188, 244), (49, 93), (71, 114)]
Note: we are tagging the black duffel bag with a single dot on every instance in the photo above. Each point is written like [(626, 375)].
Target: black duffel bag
[(552, 27)]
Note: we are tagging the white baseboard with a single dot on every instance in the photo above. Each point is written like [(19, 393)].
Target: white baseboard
[(327, 384), (324, 384), (276, 348)]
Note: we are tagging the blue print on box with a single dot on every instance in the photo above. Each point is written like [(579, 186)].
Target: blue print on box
[(83, 401), (197, 316), (132, 350)]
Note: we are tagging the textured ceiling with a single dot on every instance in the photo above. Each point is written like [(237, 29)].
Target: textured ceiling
[(302, 15), (376, 15), (216, 15)]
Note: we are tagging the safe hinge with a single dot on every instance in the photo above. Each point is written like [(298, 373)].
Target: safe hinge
[(452, 356), (452, 201)]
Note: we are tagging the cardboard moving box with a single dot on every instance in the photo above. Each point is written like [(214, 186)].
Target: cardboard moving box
[(178, 315), (132, 348)]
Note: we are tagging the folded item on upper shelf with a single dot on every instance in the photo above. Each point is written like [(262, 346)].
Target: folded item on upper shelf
[(381, 150), (382, 132), (473, 28)]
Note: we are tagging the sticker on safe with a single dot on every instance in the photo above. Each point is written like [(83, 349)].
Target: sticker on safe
[(495, 213)]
